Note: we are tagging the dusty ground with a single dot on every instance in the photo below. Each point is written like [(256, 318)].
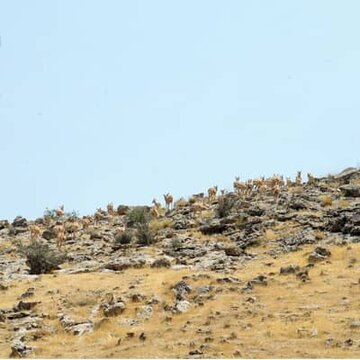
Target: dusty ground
[(286, 318)]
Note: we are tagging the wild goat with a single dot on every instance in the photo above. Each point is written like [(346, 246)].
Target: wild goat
[(98, 215), (59, 211), (298, 180), (168, 200), (60, 239), (59, 232), (199, 206), (212, 192), (156, 204), (155, 209), (289, 182), (311, 180), (35, 230), (154, 212), (72, 227), (85, 222), (239, 186), (276, 190), (110, 209)]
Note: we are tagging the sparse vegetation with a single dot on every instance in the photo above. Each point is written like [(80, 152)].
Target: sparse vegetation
[(144, 234), (139, 218), (319, 235), (176, 244), (159, 224), (138, 215), (180, 203), (225, 206), (40, 258), (326, 200), (270, 235), (124, 238)]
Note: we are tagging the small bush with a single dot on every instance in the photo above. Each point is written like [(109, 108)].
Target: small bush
[(270, 235), (326, 200), (138, 215), (159, 224), (180, 203), (144, 234), (225, 205), (40, 258), (176, 244), (124, 238), (319, 235)]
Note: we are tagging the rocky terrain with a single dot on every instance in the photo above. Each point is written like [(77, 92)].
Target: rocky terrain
[(260, 274)]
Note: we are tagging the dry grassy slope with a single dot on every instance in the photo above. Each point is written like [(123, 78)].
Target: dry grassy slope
[(288, 318)]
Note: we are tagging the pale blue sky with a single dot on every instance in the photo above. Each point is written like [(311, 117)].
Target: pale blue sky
[(125, 100)]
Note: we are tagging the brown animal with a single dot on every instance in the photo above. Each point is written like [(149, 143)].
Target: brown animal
[(35, 231), (168, 200), (59, 211), (98, 216), (72, 228), (311, 180), (59, 231), (298, 180), (276, 190), (212, 193), (198, 207), (289, 182), (60, 239), (239, 186), (85, 222), (156, 204), (110, 209), (154, 211)]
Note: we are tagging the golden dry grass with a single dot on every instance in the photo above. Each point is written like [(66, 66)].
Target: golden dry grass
[(326, 200), (287, 318)]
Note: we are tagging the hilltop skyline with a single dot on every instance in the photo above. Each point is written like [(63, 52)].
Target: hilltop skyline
[(126, 101)]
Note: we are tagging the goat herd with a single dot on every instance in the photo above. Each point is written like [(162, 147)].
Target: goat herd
[(63, 226)]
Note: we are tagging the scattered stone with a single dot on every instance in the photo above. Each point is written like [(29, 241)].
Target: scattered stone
[(234, 251), (303, 275), (116, 309), (350, 190), (291, 269), (319, 254), (161, 263), (20, 222), (355, 324), (181, 289), (137, 297), (182, 306), (28, 293), (20, 350), (122, 210), (145, 312), (22, 305)]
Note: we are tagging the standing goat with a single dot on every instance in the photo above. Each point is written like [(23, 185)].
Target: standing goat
[(168, 200), (212, 193), (60, 211), (35, 231)]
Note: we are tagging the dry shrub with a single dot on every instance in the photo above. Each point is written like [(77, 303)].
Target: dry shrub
[(344, 203), (207, 214), (270, 235), (319, 235), (180, 203), (326, 200), (159, 224)]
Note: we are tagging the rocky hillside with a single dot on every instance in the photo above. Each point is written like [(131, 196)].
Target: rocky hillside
[(269, 272)]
